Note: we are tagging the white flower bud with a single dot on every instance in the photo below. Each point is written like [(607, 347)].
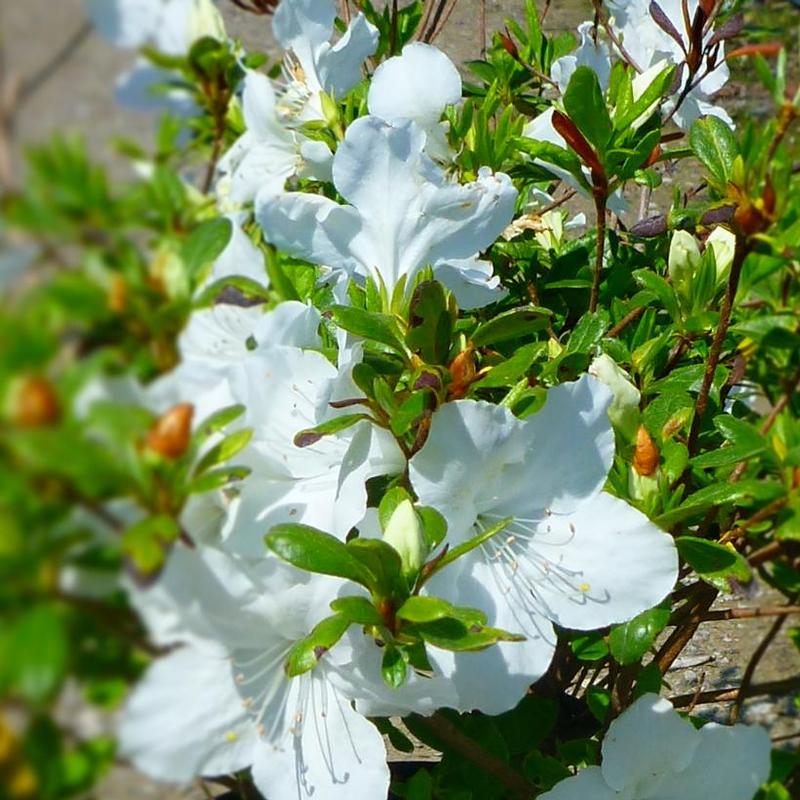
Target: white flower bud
[(624, 409), (205, 20), (404, 533), (684, 261), (723, 243)]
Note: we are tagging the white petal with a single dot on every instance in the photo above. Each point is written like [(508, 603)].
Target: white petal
[(310, 227), (570, 446), (471, 281), (588, 784), (138, 89), (125, 23), (605, 563), (308, 20), (591, 52), (730, 762), (416, 85), (339, 67), (185, 719), (473, 454), (327, 750), (240, 257), (645, 745)]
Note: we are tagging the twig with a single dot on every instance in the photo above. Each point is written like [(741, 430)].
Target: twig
[(681, 636), (726, 695), (600, 201), (629, 318), (475, 753), (744, 613), (482, 27), (742, 250)]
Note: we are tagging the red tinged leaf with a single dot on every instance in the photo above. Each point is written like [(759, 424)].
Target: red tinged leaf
[(574, 138), (763, 49), (509, 45), (665, 23), (733, 27)]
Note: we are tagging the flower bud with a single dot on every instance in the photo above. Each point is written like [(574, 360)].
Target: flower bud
[(35, 403), (646, 455), (723, 243), (171, 432), (404, 533), (684, 261), (624, 409)]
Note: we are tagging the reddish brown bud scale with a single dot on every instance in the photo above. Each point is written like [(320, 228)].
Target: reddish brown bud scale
[(575, 139), (463, 370), (36, 403), (172, 431), (646, 455)]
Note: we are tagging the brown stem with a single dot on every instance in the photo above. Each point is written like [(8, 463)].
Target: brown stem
[(475, 753), (745, 613), (681, 636), (731, 693), (719, 340), (629, 318), (600, 201), (482, 27)]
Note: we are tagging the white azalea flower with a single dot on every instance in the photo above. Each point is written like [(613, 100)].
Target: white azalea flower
[(573, 555), (417, 85), (268, 152), (403, 214), (222, 702), (651, 753), (313, 65), (592, 52), (647, 44), (287, 390)]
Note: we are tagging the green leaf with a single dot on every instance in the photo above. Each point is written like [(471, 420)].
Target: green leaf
[(471, 544), (427, 609), (714, 143), (452, 634), (714, 563), (39, 651), (510, 371), (599, 701), (383, 562), (369, 325), (359, 610), (394, 667), (314, 551), (725, 456), (630, 641), (217, 479), (146, 543), (205, 243), (511, 325), (434, 525), (310, 436), (224, 450), (588, 332), (389, 502), (408, 412), (589, 646), (652, 94), (218, 420), (306, 654), (586, 107)]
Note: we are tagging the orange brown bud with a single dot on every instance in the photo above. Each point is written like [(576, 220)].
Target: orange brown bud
[(118, 294), (171, 432), (36, 403), (646, 455), (462, 368)]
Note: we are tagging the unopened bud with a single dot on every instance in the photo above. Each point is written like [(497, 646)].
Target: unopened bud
[(172, 431), (404, 533), (723, 243), (646, 455), (462, 368), (624, 409), (684, 260), (35, 403), (205, 20)]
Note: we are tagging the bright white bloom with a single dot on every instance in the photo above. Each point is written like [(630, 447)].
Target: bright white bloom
[(222, 702), (647, 44), (651, 753), (403, 215), (169, 26), (573, 555), (723, 242), (304, 28), (592, 52), (268, 152), (417, 85)]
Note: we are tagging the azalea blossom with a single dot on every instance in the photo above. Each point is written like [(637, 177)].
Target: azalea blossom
[(572, 555), (404, 213), (169, 26), (417, 85), (222, 701), (313, 65), (651, 753), (592, 52), (647, 44)]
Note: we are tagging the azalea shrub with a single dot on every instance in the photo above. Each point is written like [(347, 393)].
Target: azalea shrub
[(394, 405)]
